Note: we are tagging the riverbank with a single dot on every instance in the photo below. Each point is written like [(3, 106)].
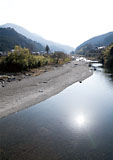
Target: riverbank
[(18, 95)]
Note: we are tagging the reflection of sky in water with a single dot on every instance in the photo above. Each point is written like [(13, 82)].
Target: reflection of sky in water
[(75, 124)]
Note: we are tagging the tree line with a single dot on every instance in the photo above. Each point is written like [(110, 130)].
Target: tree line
[(106, 57), (20, 59)]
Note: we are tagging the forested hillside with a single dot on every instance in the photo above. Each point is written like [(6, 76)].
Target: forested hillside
[(9, 38)]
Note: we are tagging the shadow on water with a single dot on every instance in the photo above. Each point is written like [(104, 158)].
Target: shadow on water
[(75, 124)]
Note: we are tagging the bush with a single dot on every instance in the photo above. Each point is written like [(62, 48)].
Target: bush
[(60, 57), (21, 59)]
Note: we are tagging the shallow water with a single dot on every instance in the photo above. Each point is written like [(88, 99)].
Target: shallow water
[(76, 124)]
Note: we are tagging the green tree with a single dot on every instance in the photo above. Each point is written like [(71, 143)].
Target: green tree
[(47, 49), (108, 56)]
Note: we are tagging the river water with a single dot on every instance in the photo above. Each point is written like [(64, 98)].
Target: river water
[(76, 124)]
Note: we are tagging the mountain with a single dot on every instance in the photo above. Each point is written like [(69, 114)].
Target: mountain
[(35, 37), (9, 38), (98, 41)]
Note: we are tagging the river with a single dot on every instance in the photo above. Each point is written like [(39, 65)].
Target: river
[(76, 124)]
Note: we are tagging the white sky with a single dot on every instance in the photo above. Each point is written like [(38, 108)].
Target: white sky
[(65, 21)]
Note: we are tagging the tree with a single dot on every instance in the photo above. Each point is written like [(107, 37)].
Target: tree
[(111, 51), (47, 49), (108, 56)]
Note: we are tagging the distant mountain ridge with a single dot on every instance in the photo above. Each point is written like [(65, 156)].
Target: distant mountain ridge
[(35, 37), (98, 41), (9, 38)]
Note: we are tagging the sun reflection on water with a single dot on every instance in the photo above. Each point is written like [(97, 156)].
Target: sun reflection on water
[(80, 120)]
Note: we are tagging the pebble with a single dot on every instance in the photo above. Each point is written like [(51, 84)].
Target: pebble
[(40, 91), (45, 82)]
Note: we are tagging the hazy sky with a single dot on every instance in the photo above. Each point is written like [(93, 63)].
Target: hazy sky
[(65, 21)]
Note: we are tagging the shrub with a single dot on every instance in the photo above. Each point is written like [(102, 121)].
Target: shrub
[(21, 59)]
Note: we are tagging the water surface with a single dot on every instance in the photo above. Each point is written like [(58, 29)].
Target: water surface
[(76, 124)]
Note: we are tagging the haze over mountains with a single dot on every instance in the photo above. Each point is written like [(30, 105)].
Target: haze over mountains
[(9, 38), (35, 37), (98, 41)]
